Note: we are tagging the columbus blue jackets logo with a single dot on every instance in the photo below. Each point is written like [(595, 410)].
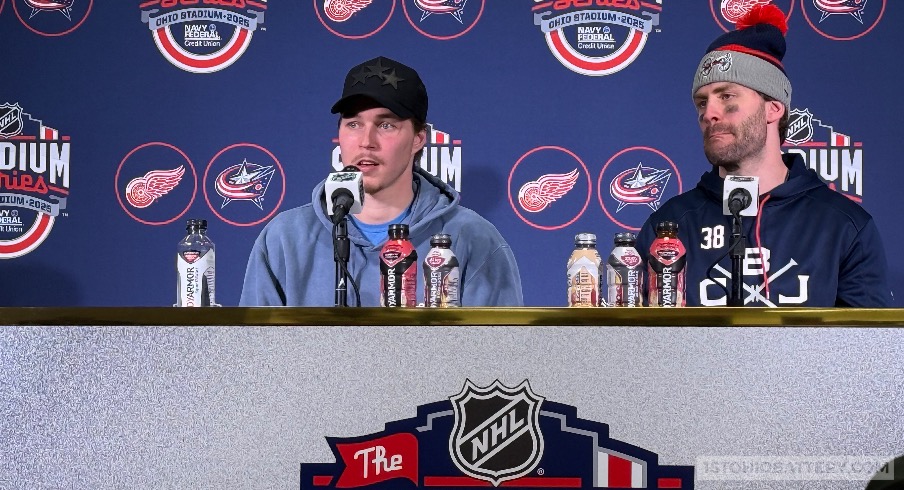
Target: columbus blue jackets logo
[(596, 38), (634, 182), (854, 8), (455, 8), (245, 182), (843, 20), (34, 180), (639, 185), (496, 436), (492, 435), (443, 19), (51, 17), (203, 37), (64, 7), (835, 156)]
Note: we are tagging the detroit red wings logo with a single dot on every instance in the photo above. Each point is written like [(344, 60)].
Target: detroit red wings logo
[(342, 10), (733, 10), (141, 192), (536, 195), (62, 6), (640, 185)]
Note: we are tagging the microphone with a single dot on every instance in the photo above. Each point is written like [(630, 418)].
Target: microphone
[(738, 195), (344, 192)]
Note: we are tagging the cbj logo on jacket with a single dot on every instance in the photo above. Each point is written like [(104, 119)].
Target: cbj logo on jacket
[(754, 265)]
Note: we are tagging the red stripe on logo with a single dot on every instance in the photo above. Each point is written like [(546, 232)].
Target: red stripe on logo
[(619, 472)]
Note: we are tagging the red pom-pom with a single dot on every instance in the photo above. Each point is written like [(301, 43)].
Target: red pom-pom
[(764, 14)]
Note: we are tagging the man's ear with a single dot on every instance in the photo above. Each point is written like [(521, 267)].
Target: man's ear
[(774, 111), (420, 139)]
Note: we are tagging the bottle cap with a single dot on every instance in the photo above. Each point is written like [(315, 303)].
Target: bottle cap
[(585, 239), (625, 238), (200, 224), (441, 240), (398, 231), (667, 226)]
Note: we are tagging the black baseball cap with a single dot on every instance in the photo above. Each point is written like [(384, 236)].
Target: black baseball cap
[(393, 85)]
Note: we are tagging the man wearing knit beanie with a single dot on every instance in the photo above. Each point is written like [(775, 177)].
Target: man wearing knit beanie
[(807, 245)]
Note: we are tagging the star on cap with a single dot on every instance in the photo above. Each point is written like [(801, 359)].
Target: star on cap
[(392, 79), (360, 77), (376, 70)]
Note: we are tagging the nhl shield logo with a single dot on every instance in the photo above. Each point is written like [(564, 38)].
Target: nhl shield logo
[(10, 120), (496, 436)]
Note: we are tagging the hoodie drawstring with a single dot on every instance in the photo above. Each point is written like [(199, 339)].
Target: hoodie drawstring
[(759, 244)]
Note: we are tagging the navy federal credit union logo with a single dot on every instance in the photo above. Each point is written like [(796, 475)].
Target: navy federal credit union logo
[(34, 180), (493, 435), (202, 36), (596, 37)]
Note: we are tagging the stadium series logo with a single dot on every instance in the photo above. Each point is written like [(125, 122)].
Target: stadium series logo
[(202, 36), (596, 37), (493, 435), (834, 156), (34, 180)]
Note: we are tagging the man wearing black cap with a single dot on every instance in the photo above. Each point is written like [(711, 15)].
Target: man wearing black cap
[(807, 245), (382, 132)]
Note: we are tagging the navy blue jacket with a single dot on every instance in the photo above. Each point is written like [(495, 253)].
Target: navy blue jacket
[(815, 247)]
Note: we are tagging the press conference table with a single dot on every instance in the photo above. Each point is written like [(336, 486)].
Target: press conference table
[(241, 397)]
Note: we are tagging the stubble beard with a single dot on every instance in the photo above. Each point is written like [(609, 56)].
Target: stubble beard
[(750, 139)]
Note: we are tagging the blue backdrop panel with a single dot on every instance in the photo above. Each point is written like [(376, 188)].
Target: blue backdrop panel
[(120, 120)]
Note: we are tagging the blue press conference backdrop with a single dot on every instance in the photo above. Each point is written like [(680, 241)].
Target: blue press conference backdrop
[(121, 119)]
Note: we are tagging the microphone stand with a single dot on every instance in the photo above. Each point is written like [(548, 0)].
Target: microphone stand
[(737, 261), (341, 251)]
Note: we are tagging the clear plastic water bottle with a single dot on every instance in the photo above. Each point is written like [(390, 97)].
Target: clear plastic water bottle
[(196, 267)]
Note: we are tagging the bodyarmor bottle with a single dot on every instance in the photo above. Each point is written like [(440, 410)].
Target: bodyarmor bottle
[(584, 272), (441, 274), (398, 269), (624, 272), (666, 266), (196, 267)]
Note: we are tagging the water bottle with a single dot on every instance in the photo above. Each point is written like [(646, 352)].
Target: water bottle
[(196, 267)]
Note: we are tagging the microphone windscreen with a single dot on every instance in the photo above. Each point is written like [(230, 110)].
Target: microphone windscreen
[(749, 184), (348, 181)]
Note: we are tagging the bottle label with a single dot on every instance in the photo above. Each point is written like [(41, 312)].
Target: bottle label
[(196, 281), (398, 274), (666, 270), (584, 278), (441, 279), (624, 277)]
